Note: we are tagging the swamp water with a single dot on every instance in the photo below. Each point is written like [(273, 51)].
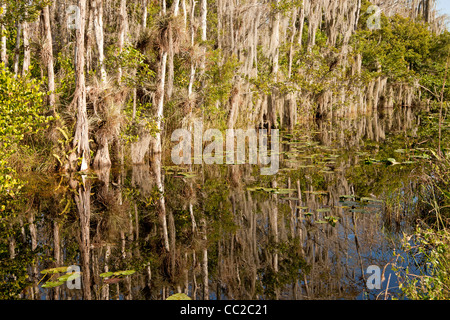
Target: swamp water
[(344, 193)]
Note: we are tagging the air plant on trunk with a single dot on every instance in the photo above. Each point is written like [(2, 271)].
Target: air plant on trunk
[(109, 119)]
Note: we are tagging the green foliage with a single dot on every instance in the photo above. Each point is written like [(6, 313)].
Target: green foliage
[(143, 122), (284, 6), (404, 51), (132, 60), (20, 116), (20, 110), (65, 82), (21, 105), (397, 50), (219, 79), (433, 66), (22, 10)]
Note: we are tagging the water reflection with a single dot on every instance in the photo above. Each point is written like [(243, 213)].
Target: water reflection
[(224, 231)]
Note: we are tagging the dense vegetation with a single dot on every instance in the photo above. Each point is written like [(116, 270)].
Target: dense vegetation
[(109, 89)]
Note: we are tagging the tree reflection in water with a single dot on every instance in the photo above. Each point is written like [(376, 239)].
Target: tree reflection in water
[(226, 232)]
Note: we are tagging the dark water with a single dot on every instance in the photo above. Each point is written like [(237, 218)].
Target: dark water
[(336, 207)]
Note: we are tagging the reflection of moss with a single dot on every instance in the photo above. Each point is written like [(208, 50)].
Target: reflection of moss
[(291, 266), (382, 179), (217, 208)]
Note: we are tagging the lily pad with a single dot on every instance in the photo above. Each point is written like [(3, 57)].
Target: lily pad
[(124, 272), (290, 198), (54, 270), (349, 203), (282, 191), (392, 161), (272, 190), (348, 196), (52, 284), (119, 273), (179, 296), (371, 199), (359, 210), (317, 192), (72, 276), (106, 274), (185, 175)]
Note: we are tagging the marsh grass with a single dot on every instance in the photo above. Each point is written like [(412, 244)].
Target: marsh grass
[(429, 246), (429, 250)]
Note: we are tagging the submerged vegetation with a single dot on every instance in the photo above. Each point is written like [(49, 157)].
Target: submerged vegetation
[(88, 106)]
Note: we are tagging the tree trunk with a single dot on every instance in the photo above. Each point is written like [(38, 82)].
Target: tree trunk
[(291, 47), (83, 202), (170, 56), (17, 49), (144, 15), (157, 170), (81, 139), (123, 31), (275, 43), (49, 57), (204, 38), (102, 158), (205, 260), (301, 23), (99, 38), (56, 253), (183, 6), (26, 48), (274, 53), (157, 145), (170, 69), (3, 55), (192, 74)]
